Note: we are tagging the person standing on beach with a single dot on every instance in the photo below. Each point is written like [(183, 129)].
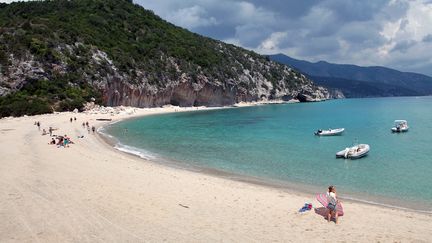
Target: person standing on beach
[(50, 131), (93, 129), (38, 125), (71, 119), (332, 204)]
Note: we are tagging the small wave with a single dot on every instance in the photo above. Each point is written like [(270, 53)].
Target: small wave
[(101, 130), (114, 122), (135, 151)]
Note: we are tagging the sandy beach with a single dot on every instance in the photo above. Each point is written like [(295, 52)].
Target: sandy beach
[(91, 192)]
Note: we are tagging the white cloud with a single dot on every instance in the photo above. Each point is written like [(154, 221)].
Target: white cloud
[(192, 17), (404, 36), (232, 41), (271, 44), (394, 33)]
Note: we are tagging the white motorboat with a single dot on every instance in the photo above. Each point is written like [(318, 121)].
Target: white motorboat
[(330, 132), (354, 152), (400, 126)]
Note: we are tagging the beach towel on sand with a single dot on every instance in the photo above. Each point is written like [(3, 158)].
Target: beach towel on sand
[(322, 198), (307, 207)]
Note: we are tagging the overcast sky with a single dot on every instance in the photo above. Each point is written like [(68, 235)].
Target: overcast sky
[(392, 33)]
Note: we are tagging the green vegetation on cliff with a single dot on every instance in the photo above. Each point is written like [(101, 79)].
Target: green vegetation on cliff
[(130, 34), (62, 37)]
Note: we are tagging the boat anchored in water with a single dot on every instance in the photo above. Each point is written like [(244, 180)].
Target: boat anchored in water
[(330, 132), (354, 152), (400, 126)]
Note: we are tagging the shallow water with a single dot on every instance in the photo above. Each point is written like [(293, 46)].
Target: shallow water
[(276, 142)]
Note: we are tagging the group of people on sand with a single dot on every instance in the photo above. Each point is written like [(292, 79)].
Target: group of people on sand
[(44, 132), (63, 141), (50, 130), (86, 124)]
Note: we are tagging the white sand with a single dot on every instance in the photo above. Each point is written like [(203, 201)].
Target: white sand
[(93, 193)]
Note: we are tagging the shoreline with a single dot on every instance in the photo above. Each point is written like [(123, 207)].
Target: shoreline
[(288, 186), (93, 192)]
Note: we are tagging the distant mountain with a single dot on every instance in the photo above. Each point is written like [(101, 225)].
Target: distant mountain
[(58, 54), (356, 81)]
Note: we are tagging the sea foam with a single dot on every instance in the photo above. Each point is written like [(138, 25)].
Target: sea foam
[(135, 151)]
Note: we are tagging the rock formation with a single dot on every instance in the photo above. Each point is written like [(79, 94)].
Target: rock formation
[(158, 64)]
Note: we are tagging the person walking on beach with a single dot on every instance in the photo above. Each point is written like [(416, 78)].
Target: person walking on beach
[(71, 119), (93, 129), (50, 131), (332, 204), (38, 125)]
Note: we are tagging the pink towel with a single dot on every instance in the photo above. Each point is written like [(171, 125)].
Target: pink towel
[(322, 198)]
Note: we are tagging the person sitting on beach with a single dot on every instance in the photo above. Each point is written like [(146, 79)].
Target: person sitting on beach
[(60, 142), (66, 142), (53, 142), (332, 204), (44, 132), (69, 140)]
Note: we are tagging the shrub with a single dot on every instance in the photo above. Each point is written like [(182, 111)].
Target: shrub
[(71, 104), (19, 105)]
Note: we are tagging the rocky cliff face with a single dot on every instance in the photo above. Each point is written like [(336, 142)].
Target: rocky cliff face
[(56, 50), (119, 88)]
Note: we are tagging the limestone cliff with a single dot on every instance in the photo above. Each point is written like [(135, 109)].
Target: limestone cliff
[(131, 57)]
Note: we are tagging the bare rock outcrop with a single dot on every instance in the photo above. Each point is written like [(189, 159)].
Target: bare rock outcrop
[(199, 89)]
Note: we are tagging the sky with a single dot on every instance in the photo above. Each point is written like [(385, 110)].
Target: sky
[(391, 33)]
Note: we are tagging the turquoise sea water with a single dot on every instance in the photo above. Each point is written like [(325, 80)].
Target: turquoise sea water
[(276, 143)]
